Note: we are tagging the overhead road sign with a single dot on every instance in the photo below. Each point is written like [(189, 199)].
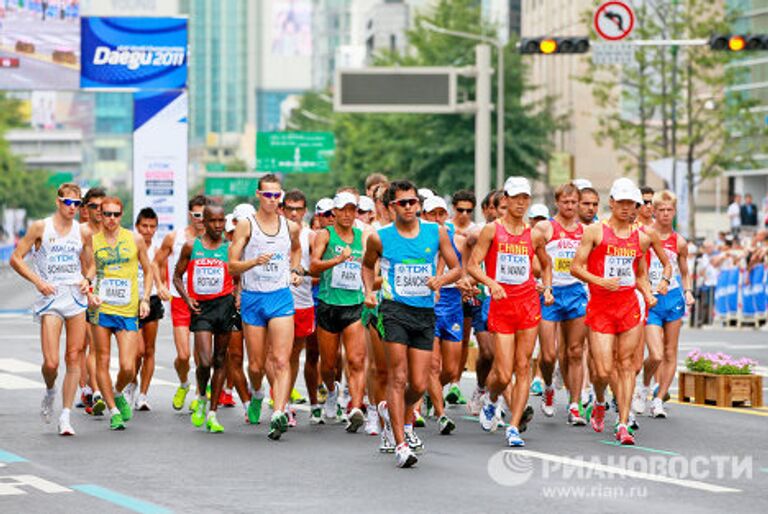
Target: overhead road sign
[(294, 152), (614, 20)]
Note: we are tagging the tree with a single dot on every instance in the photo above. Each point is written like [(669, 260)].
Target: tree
[(435, 151)]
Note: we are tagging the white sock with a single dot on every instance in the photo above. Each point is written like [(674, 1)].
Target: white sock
[(87, 390), (184, 385), (259, 395), (51, 392), (118, 394), (65, 413), (114, 411)]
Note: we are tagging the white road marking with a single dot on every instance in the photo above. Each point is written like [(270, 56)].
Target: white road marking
[(9, 485), (566, 461), (18, 366), (8, 381)]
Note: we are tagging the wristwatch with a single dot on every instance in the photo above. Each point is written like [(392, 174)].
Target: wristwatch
[(667, 280), (298, 271)]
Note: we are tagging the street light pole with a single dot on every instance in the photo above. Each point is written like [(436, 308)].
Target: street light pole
[(482, 124)]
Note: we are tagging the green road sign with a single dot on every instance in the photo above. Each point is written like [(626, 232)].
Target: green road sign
[(216, 186), (215, 166), (294, 152), (58, 178)]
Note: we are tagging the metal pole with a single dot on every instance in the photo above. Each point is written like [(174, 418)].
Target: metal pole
[(499, 119), (482, 124)]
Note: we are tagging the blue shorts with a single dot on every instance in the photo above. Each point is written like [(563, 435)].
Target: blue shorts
[(570, 303), (258, 308), (480, 316), (117, 323), (670, 307), (449, 316)]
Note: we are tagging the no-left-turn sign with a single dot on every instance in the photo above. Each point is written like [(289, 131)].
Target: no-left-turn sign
[(614, 20)]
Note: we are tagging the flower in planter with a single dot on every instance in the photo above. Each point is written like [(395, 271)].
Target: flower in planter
[(719, 363)]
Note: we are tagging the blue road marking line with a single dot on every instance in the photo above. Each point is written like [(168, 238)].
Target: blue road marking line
[(127, 502), (10, 457), (641, 448)]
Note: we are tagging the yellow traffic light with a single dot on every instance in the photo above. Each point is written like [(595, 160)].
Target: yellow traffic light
[(548, 46), (736, 43)]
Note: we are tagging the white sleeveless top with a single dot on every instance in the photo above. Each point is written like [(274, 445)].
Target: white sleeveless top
[(58, 259), (179, 238), (302, 294), (275, 274), (140, 277)]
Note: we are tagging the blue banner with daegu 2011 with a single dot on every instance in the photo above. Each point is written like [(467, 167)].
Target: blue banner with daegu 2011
[(133, 53)]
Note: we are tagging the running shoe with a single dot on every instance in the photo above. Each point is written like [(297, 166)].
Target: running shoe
[(656, 393), (488, 415), (225, 398), (429, 407), (65, 427), (587, 396), (624, 437), (129, 392), (598, 418), (640, 400), (454, 395), (404, 457), (142, 403), (574, 416), (525, 418), (548, 402), (116, 422), (274, 426), (198, 417), (98, 405), (193, 405), (614, 405), (282, 422), (446, 425), (355, 420), (657, 409), (212, 424), (290, 412), (322, 393), (414, 443), (586, 410), (80, 402), (254, 410), (86, 399), (344, 398), (418, 419), (559, 383), (125, 408), (461, 400), (297, 398), (633, 425), (386, 433), (46, 407), (208, 392), (316, 415), (475, 402), (387, 445), (513, 437), (537, 387), (179, 397), (330, 411), (372, 421)]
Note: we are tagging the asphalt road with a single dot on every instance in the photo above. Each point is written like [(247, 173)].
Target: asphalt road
[(701, 459)]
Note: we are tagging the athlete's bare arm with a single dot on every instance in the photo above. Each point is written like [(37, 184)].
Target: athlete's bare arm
[(238, 266), (161, 261), (294, 229), (32, 238), (658, 249), (479, 252), (641, 279), (451, 261), (685, 275), (593, 236), (373, 249), (141, 248), (178, 274), (539, 240), (316, 264), (86, 259)]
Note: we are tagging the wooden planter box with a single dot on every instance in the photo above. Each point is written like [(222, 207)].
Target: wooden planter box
[(720, 390)]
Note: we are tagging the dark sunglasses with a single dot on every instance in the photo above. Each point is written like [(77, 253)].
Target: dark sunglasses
[(271, 195), (69, 202), (465, 211), (648, 202), (111, 214), (360, 211), (403, 202), (196, 215), (294, 209), (93, 205), (327, 214)]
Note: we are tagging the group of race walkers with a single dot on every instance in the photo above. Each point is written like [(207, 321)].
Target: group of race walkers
[(383, 291)]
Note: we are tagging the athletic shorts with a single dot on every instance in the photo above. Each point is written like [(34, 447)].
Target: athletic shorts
[(469, 307), (215, 316), (117, 323), (304, 322), (449, 322), (369, 317), (237, 322), (335, 318), (156, 311), (670, 307), (613, 313), (67, 303), (480, 316), (570, 303), (513, 313), (180, 315), (411, 326), (257, 309)]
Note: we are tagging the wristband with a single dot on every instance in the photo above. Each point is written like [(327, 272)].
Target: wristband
[(667, 280)]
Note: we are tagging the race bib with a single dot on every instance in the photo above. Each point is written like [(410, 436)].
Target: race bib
[(512, 269), (273, 271), (656, 271), (411, 279), (563, 265), (115, 291), (620, 267), (347, 275), (208, 280)]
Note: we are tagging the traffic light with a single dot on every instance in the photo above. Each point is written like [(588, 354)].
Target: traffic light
[(738, 42), (553, 45)]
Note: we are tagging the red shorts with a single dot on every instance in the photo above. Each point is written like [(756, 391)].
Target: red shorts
[(514, 313), (304, 322), (613, 313), (180, 314)]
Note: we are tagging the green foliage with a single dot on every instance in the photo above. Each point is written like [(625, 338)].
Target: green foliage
[(433, 150)]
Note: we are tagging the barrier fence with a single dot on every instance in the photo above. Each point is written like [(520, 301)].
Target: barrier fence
[(740, 295)]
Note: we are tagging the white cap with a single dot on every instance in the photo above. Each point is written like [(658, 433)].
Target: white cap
[(517, 185), (425, 193), (365, 204), (538, 210), (229, 223), (343, 199), (624, 189), (435, 202), (323, 205), (243, 210), (581, 183)]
